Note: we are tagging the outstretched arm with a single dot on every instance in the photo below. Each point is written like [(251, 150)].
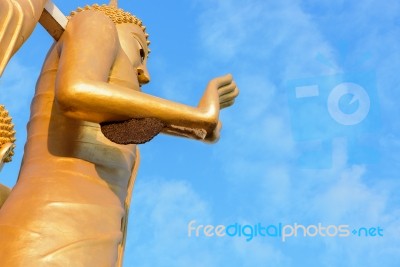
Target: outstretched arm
[(219, 94), (18, 18), (89, 49)]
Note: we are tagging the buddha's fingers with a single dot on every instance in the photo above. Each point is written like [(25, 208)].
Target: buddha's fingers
[(222, 80), (227, 104), (227, 89), (228, 99)]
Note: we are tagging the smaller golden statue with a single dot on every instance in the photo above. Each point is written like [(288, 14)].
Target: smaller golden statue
[(7, 140), (7, 136)]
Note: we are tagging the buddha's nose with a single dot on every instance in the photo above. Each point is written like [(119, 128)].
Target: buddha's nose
[(143, 75)]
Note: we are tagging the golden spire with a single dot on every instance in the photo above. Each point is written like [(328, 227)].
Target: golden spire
[(113, 3)]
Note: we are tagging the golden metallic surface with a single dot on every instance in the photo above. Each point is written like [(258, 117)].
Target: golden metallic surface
[(70, 204), (117, 15), (7, 140), (18, 18), (7, 137), (4, 193)]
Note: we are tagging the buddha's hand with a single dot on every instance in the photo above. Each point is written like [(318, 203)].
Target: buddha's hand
[(220, 93), (227, 92)]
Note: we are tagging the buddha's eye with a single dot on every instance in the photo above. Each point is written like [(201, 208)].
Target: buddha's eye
[(141, 50), (142, 54)]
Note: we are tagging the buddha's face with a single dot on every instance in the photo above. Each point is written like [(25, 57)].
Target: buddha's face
[(134, 43)]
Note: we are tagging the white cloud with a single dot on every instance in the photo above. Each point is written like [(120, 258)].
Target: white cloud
[(283, 42), (160, 213), (17, 86), (159, 226), (277, 36)]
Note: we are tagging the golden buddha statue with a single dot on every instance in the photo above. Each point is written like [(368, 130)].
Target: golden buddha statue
[(70, 204)]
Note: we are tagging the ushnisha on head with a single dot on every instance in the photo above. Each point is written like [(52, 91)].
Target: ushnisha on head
[(117, 15)]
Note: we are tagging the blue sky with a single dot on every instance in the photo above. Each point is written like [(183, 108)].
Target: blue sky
[(281, 159)]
